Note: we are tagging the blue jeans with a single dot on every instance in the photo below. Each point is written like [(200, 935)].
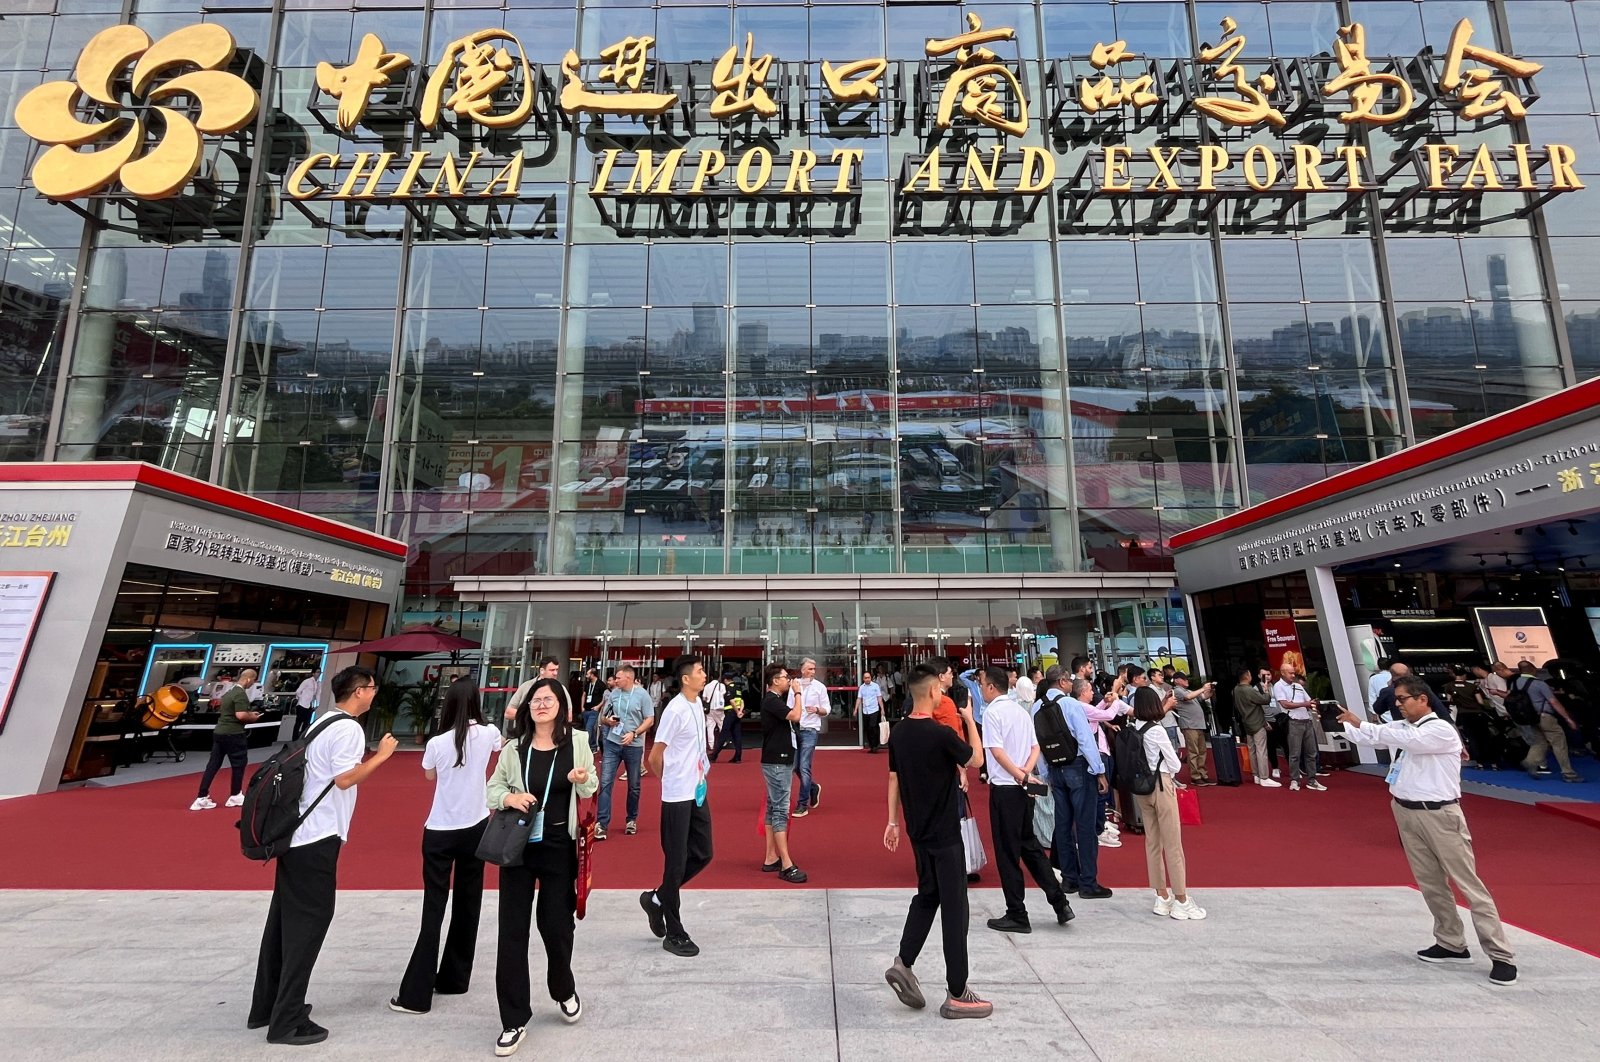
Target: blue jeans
[(1103, 800), (802, 765), (1077, 845), (617, 753), (591, 716)]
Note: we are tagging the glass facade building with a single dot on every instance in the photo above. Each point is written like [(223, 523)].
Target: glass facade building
[(1001, 407)]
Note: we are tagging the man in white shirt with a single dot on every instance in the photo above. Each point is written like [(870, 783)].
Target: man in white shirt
[(1492, 686), (303, 891), (1377, 682), (679, 759), (1425, 781), (305, 701), (1013, 754), (869, 707), (811, 693), (1291, 695)]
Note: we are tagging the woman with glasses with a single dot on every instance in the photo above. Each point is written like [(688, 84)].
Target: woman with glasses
[(541, 770), (457, 762)]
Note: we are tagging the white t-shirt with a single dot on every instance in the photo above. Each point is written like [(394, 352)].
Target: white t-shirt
[(336, 747), (683, 761), (1007, 725), (714, 696), (1286, 693), (813, 695), (305, 695), (459, 792)]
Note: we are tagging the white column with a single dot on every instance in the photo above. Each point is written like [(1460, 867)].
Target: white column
[(1336, 645)]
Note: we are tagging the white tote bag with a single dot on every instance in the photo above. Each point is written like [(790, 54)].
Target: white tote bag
[(971, 840)]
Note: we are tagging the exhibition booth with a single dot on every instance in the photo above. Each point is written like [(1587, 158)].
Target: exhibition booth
[(1481, 544), (130, 596)]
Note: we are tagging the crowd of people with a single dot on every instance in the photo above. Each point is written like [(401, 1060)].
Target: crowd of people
[(1072, 761)]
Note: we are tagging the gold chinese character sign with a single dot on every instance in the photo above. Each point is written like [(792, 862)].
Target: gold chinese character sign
[(978, 78), (190, 63), (482, 66), (625, 69), (354, 85)]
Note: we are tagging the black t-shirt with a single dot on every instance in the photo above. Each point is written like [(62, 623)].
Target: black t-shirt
[(924, 756), (777, 733), (559, 802)]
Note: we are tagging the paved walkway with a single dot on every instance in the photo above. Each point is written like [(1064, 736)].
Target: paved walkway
[(1303, 974)]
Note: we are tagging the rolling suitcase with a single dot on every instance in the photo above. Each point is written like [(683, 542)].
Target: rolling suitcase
[(1128, 812), (1225, 759)]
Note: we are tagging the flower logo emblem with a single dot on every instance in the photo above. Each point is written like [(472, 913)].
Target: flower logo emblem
[(120, 78)]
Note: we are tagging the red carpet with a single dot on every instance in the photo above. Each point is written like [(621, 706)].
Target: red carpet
[(1588, 814), (1542, 868)]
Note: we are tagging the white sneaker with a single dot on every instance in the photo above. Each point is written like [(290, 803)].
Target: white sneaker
[(1274, 772), (1270, 783), (1112, 829), (572, 1009), (1187, 910), (1293, 786), (202, 804), (510, 1040), (1163, 906), (1316, 786), (1110, 840), (235, 801)]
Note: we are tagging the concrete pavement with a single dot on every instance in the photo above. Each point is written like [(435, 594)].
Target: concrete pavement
[(1276, 974)]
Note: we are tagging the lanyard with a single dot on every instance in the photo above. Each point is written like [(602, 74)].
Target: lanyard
[(527, 755)]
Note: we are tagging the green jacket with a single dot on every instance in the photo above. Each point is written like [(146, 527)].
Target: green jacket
[(1249, 707), (507, 777)]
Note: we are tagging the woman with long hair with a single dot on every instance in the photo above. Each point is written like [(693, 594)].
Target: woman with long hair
[(1163, 837), (457, 762), (543, 770)]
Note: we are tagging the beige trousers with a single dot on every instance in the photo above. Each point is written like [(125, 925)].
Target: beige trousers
[(1195, 744), (1439, 849), (1163, 840), (1549, 737), (1260, 765)]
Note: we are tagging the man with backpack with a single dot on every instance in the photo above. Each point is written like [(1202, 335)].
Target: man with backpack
[(1077, 777), (303, 890), (1533, 707)]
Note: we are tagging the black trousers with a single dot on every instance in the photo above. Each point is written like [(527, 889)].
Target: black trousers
[(445, 852), (686, 850), (302, 720), (551, 867), (942, 888), (1277, 741), (869, 723), (732, 733), (297, 922), (236, 747), (1015, 847)]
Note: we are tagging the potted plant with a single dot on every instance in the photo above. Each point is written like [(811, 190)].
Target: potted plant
[(416, 707), (385, 706)]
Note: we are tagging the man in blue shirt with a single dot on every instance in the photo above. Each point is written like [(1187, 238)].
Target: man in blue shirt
[(627, 715), (1075, 788), (970, 681)]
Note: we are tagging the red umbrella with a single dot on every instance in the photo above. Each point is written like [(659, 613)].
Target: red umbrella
[(420, 640)]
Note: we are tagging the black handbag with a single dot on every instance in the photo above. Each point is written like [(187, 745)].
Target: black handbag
[(505, 839)]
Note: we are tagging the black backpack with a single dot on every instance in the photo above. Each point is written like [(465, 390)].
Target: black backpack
[(1519, 705), (1056, 743), (271, 811), (1133, 764)]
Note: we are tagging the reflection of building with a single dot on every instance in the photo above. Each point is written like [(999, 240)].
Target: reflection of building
[(1035, 408)]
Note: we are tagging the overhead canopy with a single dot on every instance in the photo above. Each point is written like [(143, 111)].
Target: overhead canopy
[(421, 640)]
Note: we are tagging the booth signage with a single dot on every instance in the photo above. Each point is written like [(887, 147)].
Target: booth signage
[(36, 530), (246, 653), (22, 598), (216, 544), (965, 104)]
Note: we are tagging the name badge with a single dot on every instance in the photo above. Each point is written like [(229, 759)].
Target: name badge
[(1394, 770), (700, 793)]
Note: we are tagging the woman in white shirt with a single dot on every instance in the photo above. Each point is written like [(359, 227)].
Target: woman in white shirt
[(1163, 838), (457, 761)]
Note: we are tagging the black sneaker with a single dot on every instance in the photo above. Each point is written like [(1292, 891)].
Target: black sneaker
[(681, 946), (1440, 953), (772, 867), (1069, 887), (1064, 912), (816, 795), (510, 1040), (1099, 892), (652, 911), (400, 1008), (1502, 974), (800, 812), (262, 1023), (309, 1032), (1009, 925), (572, 1009), (794, 876)]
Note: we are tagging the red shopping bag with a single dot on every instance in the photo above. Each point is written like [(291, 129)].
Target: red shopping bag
[(586, 825), (1188, 806)]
